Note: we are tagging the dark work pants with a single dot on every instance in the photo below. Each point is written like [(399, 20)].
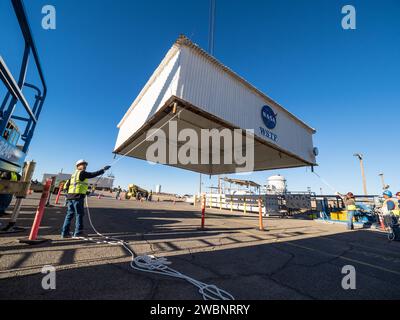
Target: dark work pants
[(75, 208), (5, 200), (350, 215)]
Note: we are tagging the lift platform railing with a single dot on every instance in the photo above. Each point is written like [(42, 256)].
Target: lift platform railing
[(12, 156)]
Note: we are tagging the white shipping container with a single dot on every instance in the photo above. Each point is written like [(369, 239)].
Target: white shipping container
[(213, 96)]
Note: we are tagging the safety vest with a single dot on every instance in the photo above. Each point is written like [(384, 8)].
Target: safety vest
[(396, 209), (351, 207), (14, 177), (76, 186)]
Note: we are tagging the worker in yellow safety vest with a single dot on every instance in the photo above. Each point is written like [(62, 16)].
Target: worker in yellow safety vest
[(390, 210), (389, 204), (5, 199), (396, 211), (77, 188), (350, 203)]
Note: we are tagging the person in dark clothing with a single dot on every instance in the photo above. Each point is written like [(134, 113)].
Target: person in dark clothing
[(350, 203), (77, 188), (119, 190), (5, 199)]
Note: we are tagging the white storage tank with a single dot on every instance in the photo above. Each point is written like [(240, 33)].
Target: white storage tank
[(276, 184), (158, 188)]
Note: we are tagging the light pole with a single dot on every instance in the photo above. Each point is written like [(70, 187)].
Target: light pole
[(200, 183), (361, 158), (384, 185)]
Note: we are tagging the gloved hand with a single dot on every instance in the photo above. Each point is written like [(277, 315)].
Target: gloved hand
[(106, 168)]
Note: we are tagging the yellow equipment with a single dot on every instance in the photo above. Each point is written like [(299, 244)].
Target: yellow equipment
[(136, 192), (340, 215)]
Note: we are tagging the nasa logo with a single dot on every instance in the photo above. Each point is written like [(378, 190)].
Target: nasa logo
[(269, 117)]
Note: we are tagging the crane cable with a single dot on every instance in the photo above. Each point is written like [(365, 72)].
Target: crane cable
[(150, 263)]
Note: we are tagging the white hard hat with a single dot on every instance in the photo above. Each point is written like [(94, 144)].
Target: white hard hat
[(80, 162)]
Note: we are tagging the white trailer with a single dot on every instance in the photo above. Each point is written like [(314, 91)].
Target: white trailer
[(210, 95)]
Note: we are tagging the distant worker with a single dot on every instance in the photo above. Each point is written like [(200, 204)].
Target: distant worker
[(93, 190), (5, 199), (150, 196), (119, 190), (396, 212), (389, 204), (77, 189), (350, 203)]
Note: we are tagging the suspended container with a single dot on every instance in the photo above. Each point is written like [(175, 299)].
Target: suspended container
[(198, 92)]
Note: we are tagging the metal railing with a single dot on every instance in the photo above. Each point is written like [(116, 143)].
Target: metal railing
[(14, 158)]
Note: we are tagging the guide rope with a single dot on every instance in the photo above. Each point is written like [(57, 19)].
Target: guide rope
[(152, 264), (324, 215), (326, 183)]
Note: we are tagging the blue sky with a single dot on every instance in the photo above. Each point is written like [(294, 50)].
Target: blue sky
[(344, 83)]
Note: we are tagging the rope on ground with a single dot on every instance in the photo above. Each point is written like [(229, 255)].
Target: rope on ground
[(160, 266), (150, 263)]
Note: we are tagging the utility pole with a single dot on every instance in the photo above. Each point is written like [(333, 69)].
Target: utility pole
[(361, 158), (384, 185), (200, 185)]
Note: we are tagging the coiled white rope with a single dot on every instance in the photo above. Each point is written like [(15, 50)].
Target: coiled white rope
[(156, 265), (153, 264)]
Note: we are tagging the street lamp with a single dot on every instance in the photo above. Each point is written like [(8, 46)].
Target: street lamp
[(384, 185), (361, 158)]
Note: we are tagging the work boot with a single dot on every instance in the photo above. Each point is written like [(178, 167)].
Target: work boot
[(65, 236)]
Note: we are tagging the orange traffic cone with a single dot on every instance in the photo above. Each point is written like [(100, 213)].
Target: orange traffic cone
[(382, 223)]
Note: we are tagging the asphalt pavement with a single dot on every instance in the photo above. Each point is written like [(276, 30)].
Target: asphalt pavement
[(292, 259)]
